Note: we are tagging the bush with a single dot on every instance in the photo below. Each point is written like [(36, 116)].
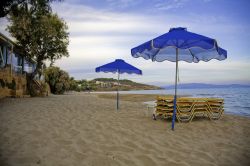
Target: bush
[(57, 79), (34, 90), (45, 89)]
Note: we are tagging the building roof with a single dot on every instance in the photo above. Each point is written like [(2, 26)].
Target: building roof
[(4, 39)]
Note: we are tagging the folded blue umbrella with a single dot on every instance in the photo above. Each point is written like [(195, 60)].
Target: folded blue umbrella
[(118, 66), (180, 45)]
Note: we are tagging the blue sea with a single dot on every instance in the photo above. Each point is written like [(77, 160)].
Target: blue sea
[(237, 100)]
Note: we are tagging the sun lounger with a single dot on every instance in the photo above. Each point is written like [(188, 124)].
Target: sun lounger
[(164, 107), (184, 109), (216, 107), (200, 108)]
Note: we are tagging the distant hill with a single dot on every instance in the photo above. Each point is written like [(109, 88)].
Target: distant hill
[(205, 86), (110, 84)]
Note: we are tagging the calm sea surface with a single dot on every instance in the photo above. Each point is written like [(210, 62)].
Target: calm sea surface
[(237, 100)]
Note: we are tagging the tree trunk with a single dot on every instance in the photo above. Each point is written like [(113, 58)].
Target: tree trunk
[(30, 77)]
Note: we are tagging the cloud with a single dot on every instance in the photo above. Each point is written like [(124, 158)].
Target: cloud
[(169, 5), (122, 3), (100, 35)]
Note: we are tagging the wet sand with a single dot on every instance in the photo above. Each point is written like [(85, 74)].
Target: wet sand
[(84, 129)]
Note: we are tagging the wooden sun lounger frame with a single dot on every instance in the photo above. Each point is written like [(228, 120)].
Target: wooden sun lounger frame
[(188, 108)]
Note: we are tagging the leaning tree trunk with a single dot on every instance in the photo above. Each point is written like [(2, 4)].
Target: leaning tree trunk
[(31, 77)]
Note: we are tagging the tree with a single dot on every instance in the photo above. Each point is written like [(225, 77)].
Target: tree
[(41, 34), (7, 5), (58, 80), (73, 84)]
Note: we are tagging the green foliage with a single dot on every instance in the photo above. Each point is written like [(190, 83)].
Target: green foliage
[(57, 79), (125, 84), (41, 91), (81, 85), (34, 91), (2, 83), (40, 34), (125, 81), (7, 5), (72, 84), (105, 79), (91, 86), (11, 85)]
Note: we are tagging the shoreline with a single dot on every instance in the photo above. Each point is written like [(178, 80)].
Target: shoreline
[(144, 98)]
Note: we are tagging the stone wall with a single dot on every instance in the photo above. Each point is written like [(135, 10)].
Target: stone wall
[(12, 84)]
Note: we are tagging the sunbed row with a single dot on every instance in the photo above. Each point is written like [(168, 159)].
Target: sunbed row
[(189, 108)]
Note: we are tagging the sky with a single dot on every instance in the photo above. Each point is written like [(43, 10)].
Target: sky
[(104, 30)]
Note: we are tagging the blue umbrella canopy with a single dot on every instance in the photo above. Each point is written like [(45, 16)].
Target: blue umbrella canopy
[(192, 47), (120, 66), (180, 45)]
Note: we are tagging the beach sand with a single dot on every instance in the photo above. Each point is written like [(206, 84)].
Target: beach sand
[(84, 129)]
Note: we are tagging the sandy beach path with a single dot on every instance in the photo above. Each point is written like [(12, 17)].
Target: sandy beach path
[(83, 129)]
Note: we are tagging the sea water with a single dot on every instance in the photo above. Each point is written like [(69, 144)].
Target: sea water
[(236, 100)]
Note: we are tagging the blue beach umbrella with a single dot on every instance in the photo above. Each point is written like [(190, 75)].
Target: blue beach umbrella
[(118, 66), (180, 45)]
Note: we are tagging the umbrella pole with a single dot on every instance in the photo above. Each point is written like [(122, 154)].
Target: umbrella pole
[(175, 92), (117, 94)]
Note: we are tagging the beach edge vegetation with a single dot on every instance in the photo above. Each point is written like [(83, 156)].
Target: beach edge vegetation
[(40, 35)]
